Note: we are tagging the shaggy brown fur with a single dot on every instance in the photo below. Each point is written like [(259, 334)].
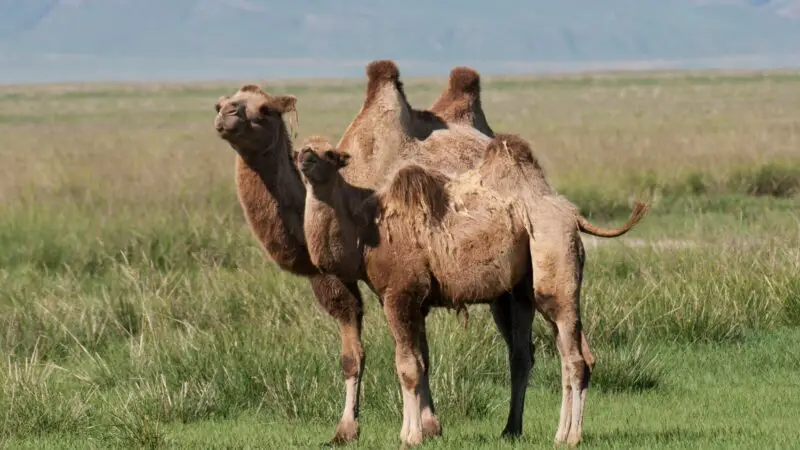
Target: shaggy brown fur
[(272, 197), (447, 241)]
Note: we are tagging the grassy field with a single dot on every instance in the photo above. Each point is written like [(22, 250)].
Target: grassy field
[(136, 310)]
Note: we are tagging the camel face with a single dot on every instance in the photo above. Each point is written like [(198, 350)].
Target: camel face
[(251, 119), (319, 162)]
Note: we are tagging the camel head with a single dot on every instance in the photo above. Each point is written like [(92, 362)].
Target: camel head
[(319, 163), (251, 120)]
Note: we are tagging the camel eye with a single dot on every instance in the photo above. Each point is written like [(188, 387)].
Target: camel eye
[(265, 111), (218, 106), (330, 155)]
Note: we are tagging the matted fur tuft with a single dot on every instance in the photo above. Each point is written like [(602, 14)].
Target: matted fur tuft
[(505, 145), (415, 189), (383, 70), (465, 80)]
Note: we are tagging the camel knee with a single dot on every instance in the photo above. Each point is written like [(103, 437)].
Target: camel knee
[(522, 356), (340, 300), (408, 370), (578, 372), (352, 362)]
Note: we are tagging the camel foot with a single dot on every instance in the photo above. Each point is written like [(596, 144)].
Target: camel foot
[(412, 438), (561, 437), (509, 433), (346, 432), (573, 440), (431, 427)]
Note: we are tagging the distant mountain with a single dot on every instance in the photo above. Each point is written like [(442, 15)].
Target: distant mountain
[(182, 33)]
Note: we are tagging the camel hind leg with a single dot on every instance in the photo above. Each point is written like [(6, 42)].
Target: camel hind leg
[(558, 268)]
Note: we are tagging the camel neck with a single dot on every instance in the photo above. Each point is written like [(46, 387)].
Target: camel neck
[(273, 199), (336, 231)]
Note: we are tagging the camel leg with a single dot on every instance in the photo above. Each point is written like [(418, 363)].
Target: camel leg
[(565, 416), (513, 315), (522, 355), (567, 400), (558, 269), (577, 376), (430, 423), (501, 313), (405, 322), (343, 301)]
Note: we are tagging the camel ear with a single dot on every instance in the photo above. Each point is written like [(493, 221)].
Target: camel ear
[(339, 158), (286, 103)]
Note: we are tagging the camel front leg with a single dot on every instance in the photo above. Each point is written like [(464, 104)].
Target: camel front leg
[(513, 315), (521, 357), (343, 301)]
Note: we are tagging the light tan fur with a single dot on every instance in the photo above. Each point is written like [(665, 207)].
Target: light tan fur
[(427, 239)]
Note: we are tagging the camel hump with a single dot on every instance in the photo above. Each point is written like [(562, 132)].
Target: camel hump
[(383, 70), (416, 190), (505, 146), (252, 88), (465, 80)]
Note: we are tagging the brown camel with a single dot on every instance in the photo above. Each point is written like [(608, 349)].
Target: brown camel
[(427, 239)]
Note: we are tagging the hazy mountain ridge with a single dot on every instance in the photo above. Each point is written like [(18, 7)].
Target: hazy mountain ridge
[(533, 30)]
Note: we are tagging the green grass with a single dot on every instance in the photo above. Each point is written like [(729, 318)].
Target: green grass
[(137, 311)]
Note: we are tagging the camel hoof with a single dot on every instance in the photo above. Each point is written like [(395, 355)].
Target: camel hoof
[(346, 432), (431, 427), (510, 434), (573, 441), (412, 439)]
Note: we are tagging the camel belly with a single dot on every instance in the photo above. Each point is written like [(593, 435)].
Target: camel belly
[(482, 268)]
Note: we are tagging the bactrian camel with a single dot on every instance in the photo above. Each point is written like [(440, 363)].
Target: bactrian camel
[(427, 239), (386, 132)]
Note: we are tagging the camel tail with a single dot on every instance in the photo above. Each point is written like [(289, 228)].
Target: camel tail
[(639, 210)]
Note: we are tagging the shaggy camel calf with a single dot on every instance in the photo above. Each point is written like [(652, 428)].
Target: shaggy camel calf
[(430, 240)]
